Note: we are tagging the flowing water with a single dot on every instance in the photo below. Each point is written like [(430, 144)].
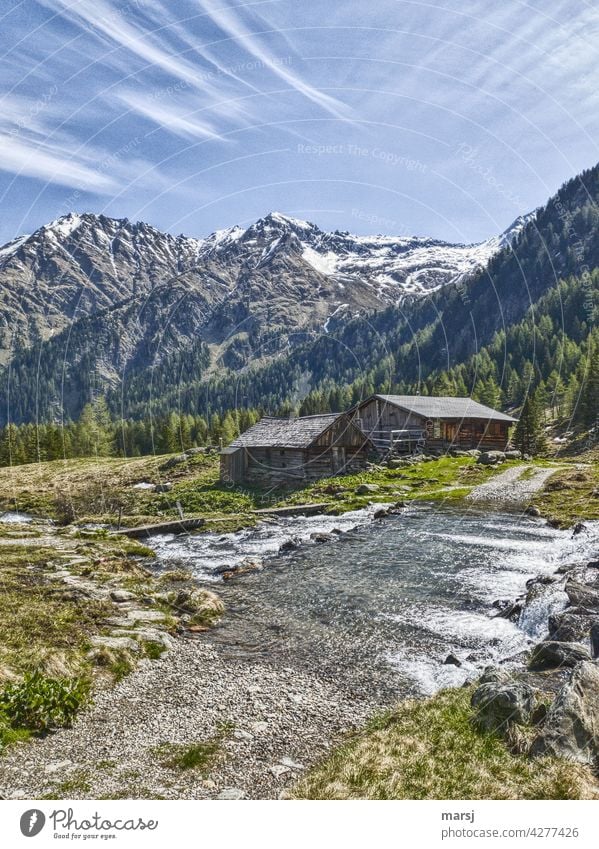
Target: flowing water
[(383, 604)]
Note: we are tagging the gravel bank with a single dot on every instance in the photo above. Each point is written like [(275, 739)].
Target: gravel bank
[(281, 720), (510, 488)]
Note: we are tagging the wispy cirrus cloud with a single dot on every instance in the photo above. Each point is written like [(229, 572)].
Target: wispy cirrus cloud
[(254, 105), (168, 115), (228, 20), (34, 157)]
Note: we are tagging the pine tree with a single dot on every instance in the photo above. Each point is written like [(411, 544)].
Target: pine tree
[(528, 435)]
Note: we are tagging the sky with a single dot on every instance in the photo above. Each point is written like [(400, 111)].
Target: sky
[(446, 118)]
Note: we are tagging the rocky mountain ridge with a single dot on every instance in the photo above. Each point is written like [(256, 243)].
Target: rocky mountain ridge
[(279, 270)]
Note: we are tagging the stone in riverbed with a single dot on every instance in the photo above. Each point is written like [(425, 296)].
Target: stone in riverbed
[(452, 660), (289, 545), (320, 536), (509, 609), (572, 625), (582, 595), (381, 513), (570, 729), (553, 654)]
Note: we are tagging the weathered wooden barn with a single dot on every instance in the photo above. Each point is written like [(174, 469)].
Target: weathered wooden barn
[(282, 451), (404, 423)]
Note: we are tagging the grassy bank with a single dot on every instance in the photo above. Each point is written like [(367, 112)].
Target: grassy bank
[(105, 489), (431, 750), (78, 609), (572, 495)]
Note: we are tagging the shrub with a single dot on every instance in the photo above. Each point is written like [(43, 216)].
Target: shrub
[(38, 703)]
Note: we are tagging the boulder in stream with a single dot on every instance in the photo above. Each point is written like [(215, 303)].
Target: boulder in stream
[(572, 625), (582, 595), (553, 654)]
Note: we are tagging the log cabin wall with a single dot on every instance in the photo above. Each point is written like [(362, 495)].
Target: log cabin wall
[(377, 419), (267, 467), (233, 466)]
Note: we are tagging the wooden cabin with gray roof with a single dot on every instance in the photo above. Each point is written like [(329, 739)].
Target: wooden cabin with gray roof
[(403, 424), (277, 452)]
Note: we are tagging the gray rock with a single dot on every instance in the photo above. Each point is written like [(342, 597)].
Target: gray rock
[(121, 596), (319, 536), (175, 461), (366, 488), (513, 454), (491, 458), (452, 660), (510, 609), (153, 635), (163, 487), (231, 793), (582, 595), (494, 675), (291, 764), (552, 654), (501, 703), (532, 510), (572, 625), (381, 513), (289, 545), (571, 729), (279, 770), (115, 643)]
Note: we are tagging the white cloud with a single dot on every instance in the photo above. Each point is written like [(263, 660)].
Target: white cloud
[(231, 24), (31, 158), (169, 116)]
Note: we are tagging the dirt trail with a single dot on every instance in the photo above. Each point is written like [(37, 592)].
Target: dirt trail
[(513, 486)]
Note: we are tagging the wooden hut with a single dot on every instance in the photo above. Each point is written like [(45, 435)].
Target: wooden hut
[(284, 451), (404, 423)]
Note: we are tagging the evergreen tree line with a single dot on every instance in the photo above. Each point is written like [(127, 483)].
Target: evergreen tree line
[(96, 434)]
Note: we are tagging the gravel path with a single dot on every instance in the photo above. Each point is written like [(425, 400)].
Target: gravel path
[(510, 488), (278, 721)]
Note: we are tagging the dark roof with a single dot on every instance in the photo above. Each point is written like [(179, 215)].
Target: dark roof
[(444, 407), (284, 433)]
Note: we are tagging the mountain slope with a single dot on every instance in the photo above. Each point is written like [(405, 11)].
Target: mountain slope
[(87, 299)]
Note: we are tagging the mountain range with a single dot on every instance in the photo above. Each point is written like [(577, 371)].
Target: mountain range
[(92, 304)]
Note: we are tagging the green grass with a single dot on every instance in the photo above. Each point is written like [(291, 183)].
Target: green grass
[(200, 755), (39, 626), (445, 477), (77, 784), (431, 750), (572, 495)]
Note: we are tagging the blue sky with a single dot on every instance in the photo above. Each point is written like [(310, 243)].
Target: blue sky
[(444, 118)]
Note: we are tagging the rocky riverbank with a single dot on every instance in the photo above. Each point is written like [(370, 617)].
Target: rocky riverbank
[(548, 703)]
